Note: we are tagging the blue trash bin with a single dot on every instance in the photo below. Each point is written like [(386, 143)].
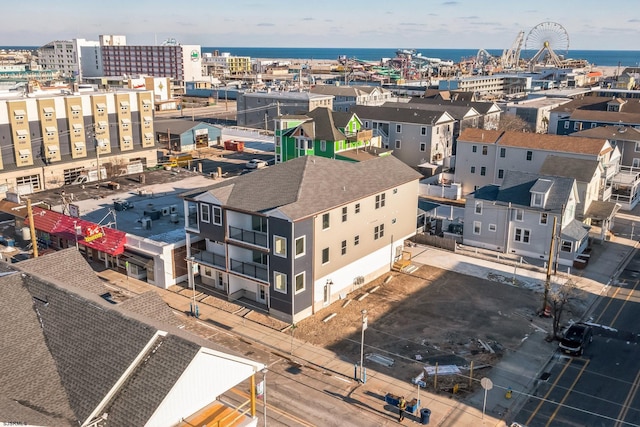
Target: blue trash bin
[(424, 416)]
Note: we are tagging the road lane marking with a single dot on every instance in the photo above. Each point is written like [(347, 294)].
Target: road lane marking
[(626, 300), (611, 298), (627, 403), (566, 395), (544, 399)]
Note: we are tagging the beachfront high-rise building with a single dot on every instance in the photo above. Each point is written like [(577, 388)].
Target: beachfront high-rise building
[(225, 65), (64, 56)]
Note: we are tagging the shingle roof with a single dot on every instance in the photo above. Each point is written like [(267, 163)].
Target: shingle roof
[(618, 133), (458, 112), (150, 304), (56, 266), (480, 135), (174, 126), (325, 127), (397, 114), (516, 187), (560, 143), (308, 185), (37, 399), (606, 116), (582, 170), (479, 106), (584, 103)]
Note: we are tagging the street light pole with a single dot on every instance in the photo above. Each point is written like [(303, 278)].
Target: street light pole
[(364, 327), (192, 284), (264, 395)]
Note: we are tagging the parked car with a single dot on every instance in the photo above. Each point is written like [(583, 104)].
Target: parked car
[(576, 338), (256, 164)]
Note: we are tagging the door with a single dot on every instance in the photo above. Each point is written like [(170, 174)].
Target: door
[(327, 293), (219, 284), (261, 295)]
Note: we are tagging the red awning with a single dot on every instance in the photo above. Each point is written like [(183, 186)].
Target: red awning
[(103, 239)]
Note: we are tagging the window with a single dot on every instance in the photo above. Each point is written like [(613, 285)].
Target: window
[(485, 150), (543, 218), (423, 146), (325, 221), (343, 249), (280, 282), (593, 125), (344, 214), (473, 169), (398, 144), (536, 199), (378, 232), (529, 155), (204, 212), (566, 125), (299, 282), (423, 130), (323, 145), (483, 171), (479, 208), (474, 149), (398, 128), (325, 255), (356, 240), (503, 152), (566, 246), (492, 227), (500, 173), (357, 208), (217, 215), (521, 235), (477, 226), (380, 200), (637, 148), (519, 215), (577, 126), (279, 246), (300, 246)]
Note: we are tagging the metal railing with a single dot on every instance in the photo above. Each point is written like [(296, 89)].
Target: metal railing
[(257, 271), (257, 238), (211, 259)]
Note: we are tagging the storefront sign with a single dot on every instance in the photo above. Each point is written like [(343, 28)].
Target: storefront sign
[(92, 233)]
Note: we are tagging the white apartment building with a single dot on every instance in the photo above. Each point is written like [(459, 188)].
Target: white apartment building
[(64, 56)]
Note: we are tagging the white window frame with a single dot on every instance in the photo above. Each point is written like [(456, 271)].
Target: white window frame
[(492, 227), (544, 218), (217, 211), (398, 143), (522, 235), (478, 208), (282, 289), (566, 124), (477, 227), (423, 146), (537, 199), (322, 256), (398, 128), (564, 248), (328, 217), (205, 208), (283, 251), (519, 215)]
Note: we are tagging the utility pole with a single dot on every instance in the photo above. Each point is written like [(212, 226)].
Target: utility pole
[(169, 139), (547, 282), (32, 229)]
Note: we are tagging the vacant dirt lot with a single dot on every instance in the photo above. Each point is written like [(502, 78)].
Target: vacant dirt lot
[(430, 316)]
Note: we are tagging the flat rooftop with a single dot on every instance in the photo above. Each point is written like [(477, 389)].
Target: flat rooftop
[(103, 204)]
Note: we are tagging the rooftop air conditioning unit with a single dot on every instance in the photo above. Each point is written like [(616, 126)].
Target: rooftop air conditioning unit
[(173, 208), (165, 211)]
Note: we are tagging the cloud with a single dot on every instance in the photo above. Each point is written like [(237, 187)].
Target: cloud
[(266, 24), (634, 20), (470, 17), (307, 19), (450, 3), (410, 24)]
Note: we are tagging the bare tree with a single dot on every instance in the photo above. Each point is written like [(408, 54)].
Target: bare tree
[(513, 123), (558, 298)]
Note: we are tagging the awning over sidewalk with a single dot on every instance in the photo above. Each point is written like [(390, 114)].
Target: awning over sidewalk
[(94, 236)]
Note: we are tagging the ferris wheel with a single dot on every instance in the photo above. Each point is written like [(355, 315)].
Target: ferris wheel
[(548, 40)]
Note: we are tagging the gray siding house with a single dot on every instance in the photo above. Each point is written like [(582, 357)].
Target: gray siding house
[(517, 217), (416, 136), (293, 237)]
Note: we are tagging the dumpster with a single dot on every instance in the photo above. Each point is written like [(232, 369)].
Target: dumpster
[(425, 414), (393, 400)]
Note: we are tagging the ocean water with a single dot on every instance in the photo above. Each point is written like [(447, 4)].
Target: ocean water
[(597, 57)]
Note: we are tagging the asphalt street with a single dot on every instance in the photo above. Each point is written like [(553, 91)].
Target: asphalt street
[(600, 388)]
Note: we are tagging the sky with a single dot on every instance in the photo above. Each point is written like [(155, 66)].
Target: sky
[(464, 24)]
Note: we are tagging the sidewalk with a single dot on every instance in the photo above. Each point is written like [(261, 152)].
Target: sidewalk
[(518, 370)]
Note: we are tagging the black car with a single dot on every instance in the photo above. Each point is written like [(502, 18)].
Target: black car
[(576, 338)]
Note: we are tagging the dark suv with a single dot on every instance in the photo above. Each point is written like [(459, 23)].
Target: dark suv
[(576, 338)]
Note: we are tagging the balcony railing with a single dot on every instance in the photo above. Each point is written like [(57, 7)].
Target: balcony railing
[(257, 271), (257, 238), (209, 258)]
